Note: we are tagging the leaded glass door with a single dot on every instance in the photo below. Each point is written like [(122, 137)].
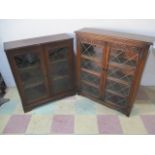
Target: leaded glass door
[(90, 74), (30, 73), (120, 74), (60, 67)]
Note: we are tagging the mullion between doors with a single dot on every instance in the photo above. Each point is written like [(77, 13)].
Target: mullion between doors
[(105, 62)]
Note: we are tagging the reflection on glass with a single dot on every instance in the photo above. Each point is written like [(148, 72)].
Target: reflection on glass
[(61, 85), (121, 74), (122, 56), (90, 90), (35, 92), (118, 100), (26, 60), (91, 51), (58, 54), (118, 88), (122, 65), (88, 64), (59, 70), (58, 59), (90, 78)]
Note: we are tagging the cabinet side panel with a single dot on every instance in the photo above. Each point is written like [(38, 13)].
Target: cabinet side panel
[(71, 62), (138, 75), (78, 63)]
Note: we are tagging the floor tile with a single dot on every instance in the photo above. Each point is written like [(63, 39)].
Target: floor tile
[(46, 109), (78, 97), (102, 110), (3, 121), (85, 106), (17, 124), (66, 107), (13, 94), (132, 125), (142, 95), (151, 93), (63, 124), (69, 99), (143, 107), (19, 110), (149, 123), (78, 115), (39, 124), (109, 124), (8, 107), (86, 124)]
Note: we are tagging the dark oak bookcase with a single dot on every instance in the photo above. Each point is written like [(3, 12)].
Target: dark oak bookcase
[(43, 68), (110, 65), (108, 68)]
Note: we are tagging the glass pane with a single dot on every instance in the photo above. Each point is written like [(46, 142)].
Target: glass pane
[(88, 64), (121, 74), (90, 78), (59, 69), (118, 88), (35, 92), (61, 85), (91, 51), (27, 60), (122, 65), (58, 62), (91, 62), (123, 56), (115, 99), (90, 90), (58, 54), (31, 75)]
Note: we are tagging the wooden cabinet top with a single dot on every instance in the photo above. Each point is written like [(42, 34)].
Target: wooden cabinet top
[(119, 36), (35, 41)]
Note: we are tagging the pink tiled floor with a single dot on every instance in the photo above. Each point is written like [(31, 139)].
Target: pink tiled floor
[(17, 124), (78, 115), (63, 124), (149, 122), (109, 124)]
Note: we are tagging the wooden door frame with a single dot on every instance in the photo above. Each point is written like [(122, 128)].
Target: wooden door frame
[(70, 61), (15, 52), (137, 78), (101, 64)]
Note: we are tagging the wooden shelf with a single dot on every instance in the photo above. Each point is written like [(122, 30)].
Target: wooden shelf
[(121, 66), (33, 84), (98, 61), (60, 77), (118, 80), (30, 95), (90, 84), (29, 67), (58, 61), (85, 93), (115, 93), (90, 72), (113, 104)]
